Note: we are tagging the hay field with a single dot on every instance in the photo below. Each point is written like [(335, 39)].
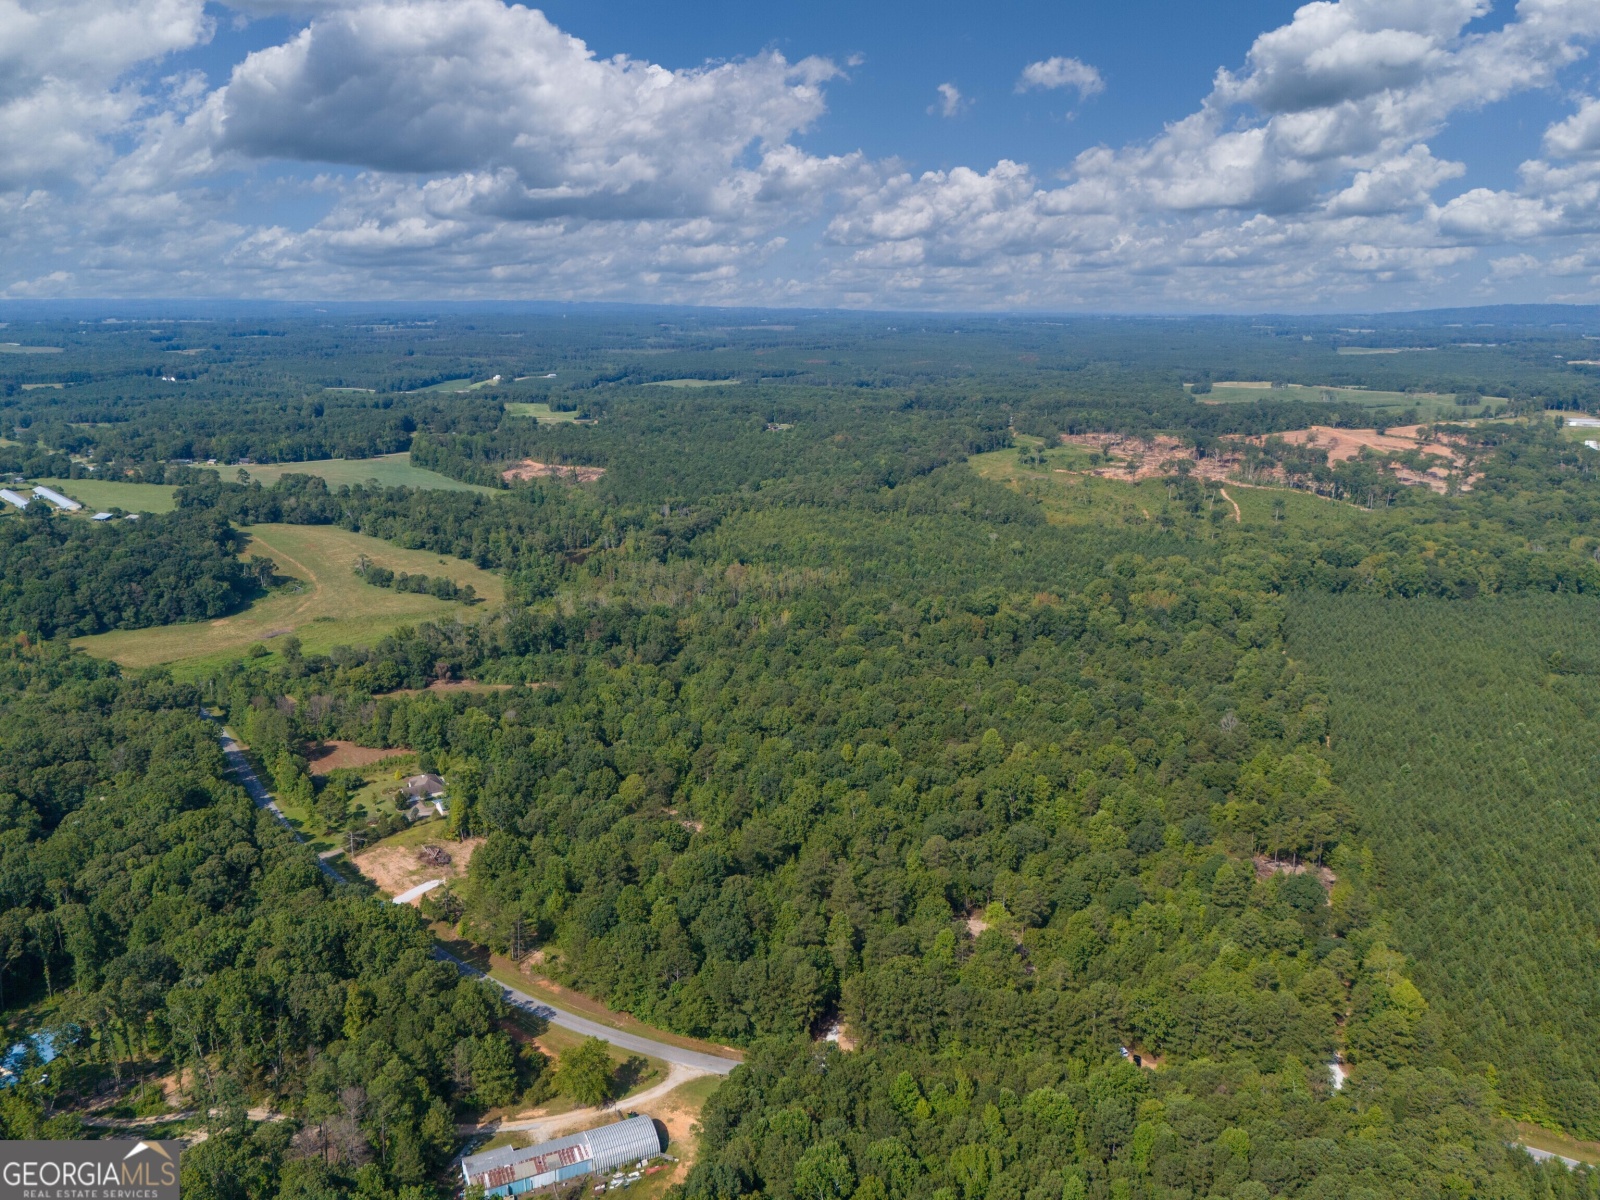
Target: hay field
[(541, 413), (97, 495), (389, 470), (1427, 405), (325, 605)]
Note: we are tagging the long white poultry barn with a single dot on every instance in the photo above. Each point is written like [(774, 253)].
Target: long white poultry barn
[(509, 1171), (56, 498)]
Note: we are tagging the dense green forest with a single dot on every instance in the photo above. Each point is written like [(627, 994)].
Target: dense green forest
[(177, 923), (806, 724), (67, 576), (1476, 753)]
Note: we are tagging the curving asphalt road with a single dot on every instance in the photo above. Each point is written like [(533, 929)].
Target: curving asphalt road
[(240, 766), (709, 1063)]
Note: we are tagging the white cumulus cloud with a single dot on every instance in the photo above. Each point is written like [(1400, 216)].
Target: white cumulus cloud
[(1062, 73), (473, 147), (951, 102)]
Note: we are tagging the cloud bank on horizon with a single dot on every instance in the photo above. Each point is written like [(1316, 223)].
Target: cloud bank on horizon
[(470, 148)]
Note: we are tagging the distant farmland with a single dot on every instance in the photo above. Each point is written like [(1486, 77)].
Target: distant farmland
[(327, 606), (389, 470)]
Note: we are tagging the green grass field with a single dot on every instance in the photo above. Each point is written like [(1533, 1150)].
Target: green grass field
[(1576, 433), (465, 384), (326, 605), (541, 413), (389, 470), (370, 800), (1428, 405), (15, 348), (1071, 498), (98, 495), (691, 383)]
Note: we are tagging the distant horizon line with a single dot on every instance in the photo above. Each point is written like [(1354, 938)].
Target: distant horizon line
[(17, 304)]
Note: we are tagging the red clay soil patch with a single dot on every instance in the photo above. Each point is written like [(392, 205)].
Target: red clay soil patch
[(395, 869), (530, 468), (1155, 457), (1345, 444), (1149, 458), (332, 755)]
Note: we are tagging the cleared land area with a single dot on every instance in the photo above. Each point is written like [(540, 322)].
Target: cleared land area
[(691, 383), (464, 384), (541, 413), (102, 494), (1428, 405), (1071, 493), (336, 755), (389, 470), (325, 605), (396, 865), (15, 348), (530, 468)]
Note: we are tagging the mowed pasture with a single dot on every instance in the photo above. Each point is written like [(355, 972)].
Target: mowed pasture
[(464, 384), (99, 495), (325, 604), (542, 413), (1427, 405), (387, 470)]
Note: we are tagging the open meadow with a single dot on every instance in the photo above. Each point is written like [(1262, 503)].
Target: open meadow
[(1069, 493), (387, 470), (1429, 406), (540, 412), (325, 604), (98, 495)]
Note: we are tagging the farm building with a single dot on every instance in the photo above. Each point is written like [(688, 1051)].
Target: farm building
[(13, 498), (64, 503), (510, 1171)]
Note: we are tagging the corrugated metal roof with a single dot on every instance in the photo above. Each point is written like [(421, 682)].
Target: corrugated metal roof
[(56, 498), (626, 1141), (606, 1147)]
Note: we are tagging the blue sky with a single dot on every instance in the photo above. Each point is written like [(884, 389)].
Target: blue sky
[(1147, 156)]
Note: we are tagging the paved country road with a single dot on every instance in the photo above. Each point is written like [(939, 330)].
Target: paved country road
[(1546, 1156), (710, 1063), (246, 775)]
